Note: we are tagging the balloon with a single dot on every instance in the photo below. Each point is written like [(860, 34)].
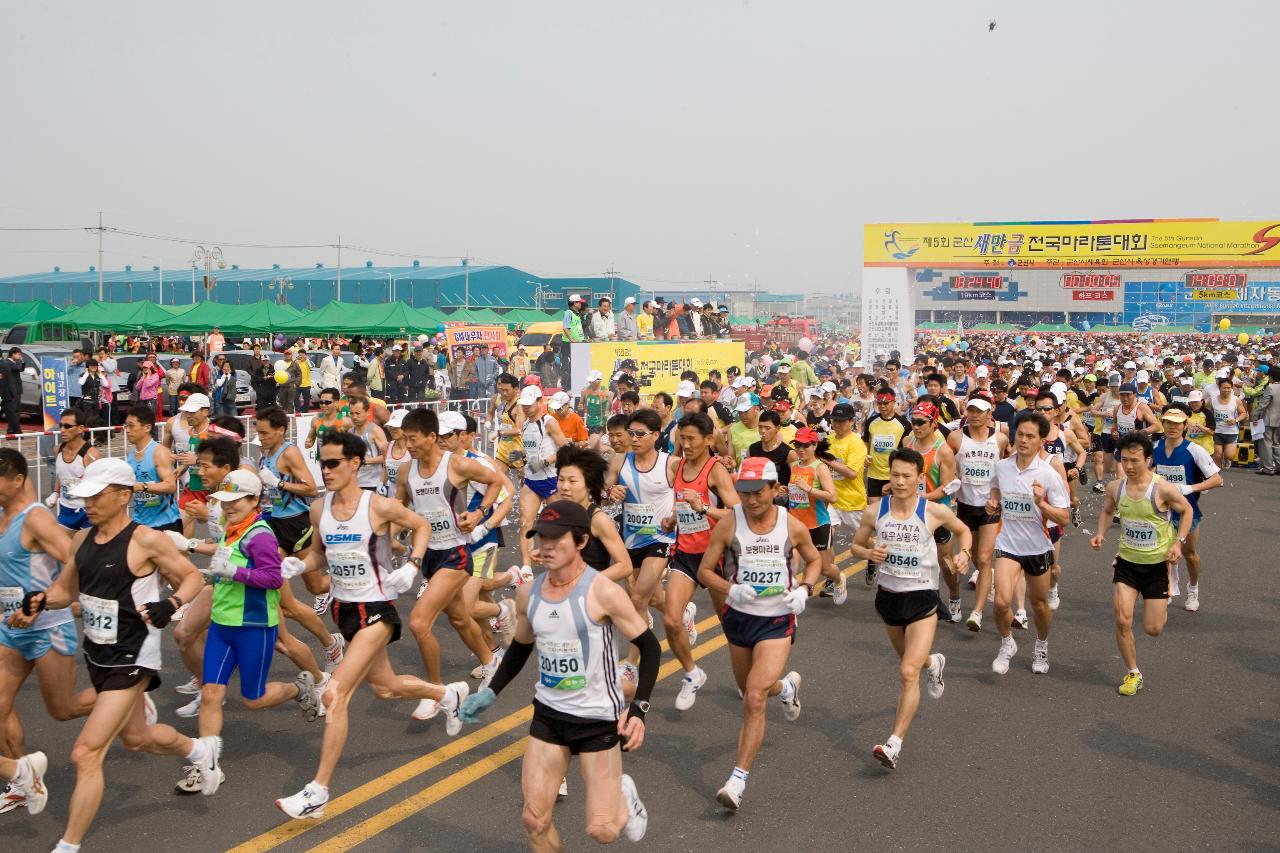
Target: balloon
[(280, 365), (951, 347), (423, 338), (1086, 325), (1243, 338), (946, 342), (1018, 339), (806, 344), (1224, 324), (282, 377), (964, 346)]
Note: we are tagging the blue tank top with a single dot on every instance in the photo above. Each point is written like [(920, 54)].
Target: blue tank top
[(493, 537), (278, 502), (23, 571), (148, 508), (1179, 467)]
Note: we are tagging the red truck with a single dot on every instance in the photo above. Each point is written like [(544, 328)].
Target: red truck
[(784, 331)]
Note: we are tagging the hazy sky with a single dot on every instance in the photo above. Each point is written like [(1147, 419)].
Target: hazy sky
[(676, 141)]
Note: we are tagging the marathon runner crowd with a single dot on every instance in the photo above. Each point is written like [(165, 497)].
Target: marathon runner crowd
[(957, 474)]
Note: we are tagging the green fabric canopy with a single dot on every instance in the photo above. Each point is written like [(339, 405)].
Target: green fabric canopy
[(26, 313), (255, 318), (121, 316), (1053, 327), (348, 318)]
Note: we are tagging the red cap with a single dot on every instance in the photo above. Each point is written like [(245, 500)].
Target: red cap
[(754, 473), (807, 435), (885, 395), (926, 410)]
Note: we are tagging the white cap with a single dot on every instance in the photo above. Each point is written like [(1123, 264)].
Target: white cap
[(982, 372), (238, 484), (1129, 365), (784, 367), (686, 389), (1060, 389), (195, 403), (630, 300), (812, 393), (1038, 365), (558, 401), (1143, 376), (397, 348), (1195, 395), (100, 474), (451, 421), (978, 403), (695, 302), (1224, 373), (397, 418), (740, 382), (748, 382), (530, 395), (575, 297), (828, 387), (595, 376), (951, 385)]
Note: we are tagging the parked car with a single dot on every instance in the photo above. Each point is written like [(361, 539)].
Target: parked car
[(128, 367), (315, 356), (32, 398), (540, 336)]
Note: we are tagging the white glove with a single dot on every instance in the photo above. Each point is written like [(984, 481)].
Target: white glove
[(479, 533), (52, 500), (291, 567), (797, 599), (1185, 489), (535, 464), (181, 542), (268, 478), (402, 579), (741, 593)]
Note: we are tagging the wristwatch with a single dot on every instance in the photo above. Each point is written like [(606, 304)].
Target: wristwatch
[(643, 706)]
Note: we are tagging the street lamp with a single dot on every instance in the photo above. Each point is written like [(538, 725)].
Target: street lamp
[(207, 258), (281, 285)]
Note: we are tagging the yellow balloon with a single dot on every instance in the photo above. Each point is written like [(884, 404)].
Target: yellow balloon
[(1243, 338), (946, 342), (1224, 324), (282, 377)]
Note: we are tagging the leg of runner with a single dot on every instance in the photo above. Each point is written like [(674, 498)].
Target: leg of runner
[(680, 591), (189, 633), (1191, 558), (298, 652), (984, 543), (1055, 572), (530, 503), (1020, 602), (955, 608), (758, 671), (26, 780), (306, 616), (1008, 574), (545, 764), (606, 807), (1042, 615), (835, 578), (444, 595), (912, 644)]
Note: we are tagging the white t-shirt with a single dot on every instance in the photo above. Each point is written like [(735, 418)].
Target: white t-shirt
[(1022, 525)]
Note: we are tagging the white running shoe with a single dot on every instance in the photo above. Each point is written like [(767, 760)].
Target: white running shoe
[(886, 754), (1020, 620), (150, 714), (689, 687), (973, 579), (730, 796), (306, 698), (840, 592), (487, 671), (189, 688), (35, 792), (11, 798), (321, 604), (506, 626), (478, 672), (190, 781), (334, 653), (422, 588), (1008, 648), (210, 777), (974, 622), (308, 803), (690, 622), (1054, 598), (937, 663), (179, 613), (520, 575), (426, 709), (452, 720), (791, 707), (1040, 659), (956, 610), (637, 814), (1193, 599), (320, 688), (191, 709), (563, 790)]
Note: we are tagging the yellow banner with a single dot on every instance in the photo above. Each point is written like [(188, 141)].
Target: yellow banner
[(658, 365), (1189, 243), (1224, 295)]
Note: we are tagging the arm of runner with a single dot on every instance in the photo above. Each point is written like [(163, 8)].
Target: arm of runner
[(168, 482), (720, 481), (470, 469), (504, 505), (1173, 500), (959, 531), (314, 575), (1053, 500), (861, 546), (603, 528), (521, 646), (391, 512), (174, 567), (60, 594), (293, 464), (721, 536), (263, 571), (379, 446), (402, 481), (1104, 517), (826, 490), (802, 544), (557, 436), (615, 603)]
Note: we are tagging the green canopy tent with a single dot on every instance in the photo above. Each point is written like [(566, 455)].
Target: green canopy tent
[(347, 318), (1056, 328), (993, 327), (121, 316), (26, 313), (254, 319)]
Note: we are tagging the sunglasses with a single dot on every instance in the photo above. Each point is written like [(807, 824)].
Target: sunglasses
[(638, 433), (332, 463), (327, 402), (1044, 408), (920, 422)]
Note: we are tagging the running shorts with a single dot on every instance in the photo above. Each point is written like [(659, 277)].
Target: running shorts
[(745, 629), (511, 454), (821, 536), (351, 616), (900, 609), (1225, 438), (1033, 564), (875, 488), (35, 643), (445, 558), (577, 733), (72, 519), (248, 648), (687, 565), (483, 563), (653, 549), (542, 488), (1151, 580), (1107, 443), (975, 517), (104, 678), (850, 518), (293, 532)]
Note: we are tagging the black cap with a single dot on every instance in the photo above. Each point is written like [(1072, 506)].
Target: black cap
[(560, 517), (842, 412), (779, 393)]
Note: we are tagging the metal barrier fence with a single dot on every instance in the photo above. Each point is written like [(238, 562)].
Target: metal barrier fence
[(39, 448)]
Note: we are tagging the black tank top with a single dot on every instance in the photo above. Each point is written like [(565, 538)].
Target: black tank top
[(110, 612), (594, 554)]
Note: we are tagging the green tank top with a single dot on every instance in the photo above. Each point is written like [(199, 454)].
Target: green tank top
[(236, 605), (596, 404), (1146, 534)]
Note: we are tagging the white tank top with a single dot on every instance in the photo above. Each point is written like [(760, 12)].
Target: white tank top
[(649, 499), (1126, 422), (538, 442), (1224, 416), (359, 560), (577, 669), (437, 500), (369, 476), (69, 474), (392, 464), (1064, 429), (976, 465), (913, 557), (763, 561)]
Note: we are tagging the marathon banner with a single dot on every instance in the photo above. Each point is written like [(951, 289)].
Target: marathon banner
[(888, 316), (463, 341), (657, 364), (55, 393)]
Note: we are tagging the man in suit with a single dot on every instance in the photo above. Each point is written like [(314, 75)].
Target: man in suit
[(11, 389)]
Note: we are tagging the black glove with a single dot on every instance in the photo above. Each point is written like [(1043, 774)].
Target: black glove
[(30, 607), (160, 612)]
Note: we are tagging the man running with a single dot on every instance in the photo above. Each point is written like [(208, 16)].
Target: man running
[(69, 462), (510, 423), (1188, 466), (977, 446), (541, 438), (882, 433), (899, 538), (570, 612), (847, 460), (757, 542), (185, 432), (155, 498), (1149, 548), (352, 528)]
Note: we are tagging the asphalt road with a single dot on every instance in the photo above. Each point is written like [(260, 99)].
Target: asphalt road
[(1056, 762)]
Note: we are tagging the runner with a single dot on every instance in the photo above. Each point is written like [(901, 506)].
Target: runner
[(882, 433), (372, 474), (809, 492), (847, 458), (433, 484), (541, 438), (900, 539), (763, 600), (703, 494), (72, 455), (978, 446), (1188, 466), (155, 497), (330, 417), (1028, 493), (1149, 548), (744, 432), (1228, 413), (115, 574), (577, 706), (353, 542), (397, 453), (595, 402), (938, 485), (185, 432), (510, 424), (1104, 439)]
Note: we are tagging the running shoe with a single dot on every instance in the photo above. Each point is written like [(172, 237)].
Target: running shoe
[(190, 781), (307, 803), (689, 687), (828, 590), (974, 622), (973, 579), (306, 698), (11, 798), (791, 707), (208, 768), (426, 709), (506, 626), (1040, 659), (334, 653), (1020, 620), (869, 575), (1131, 685), (840, 591), (422, 588), (487, 670), (730, 796), (321, 604), (955, 610), (690, 622), (1075, 516), (637, 815), (1084, 477), (189, 688), (150, 714), (1054, 599), (520, 575), (886, 754), (34, 792), (452, 720), (1193, 600), (563, 791), (189, 710), (1099, 488), (1008, 648), (937, 663), (319, 693)]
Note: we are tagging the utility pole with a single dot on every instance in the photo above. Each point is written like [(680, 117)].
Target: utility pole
[(339, 267), (99, 255), (611, 272), (466, 283)]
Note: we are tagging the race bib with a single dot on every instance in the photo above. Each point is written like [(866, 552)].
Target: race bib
[(101, 617), (1223, 419), (977, 472), (1173, 473), (1124, 430), (883, 443), (688, 521), (902, 563), (532, 445), (640, 519), (1139, 535), (766, 575), (350, 570), (1018, 506), (797, 497), (147, 500), (67, 486), (441, 521), (10, 601), (560, 664)]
